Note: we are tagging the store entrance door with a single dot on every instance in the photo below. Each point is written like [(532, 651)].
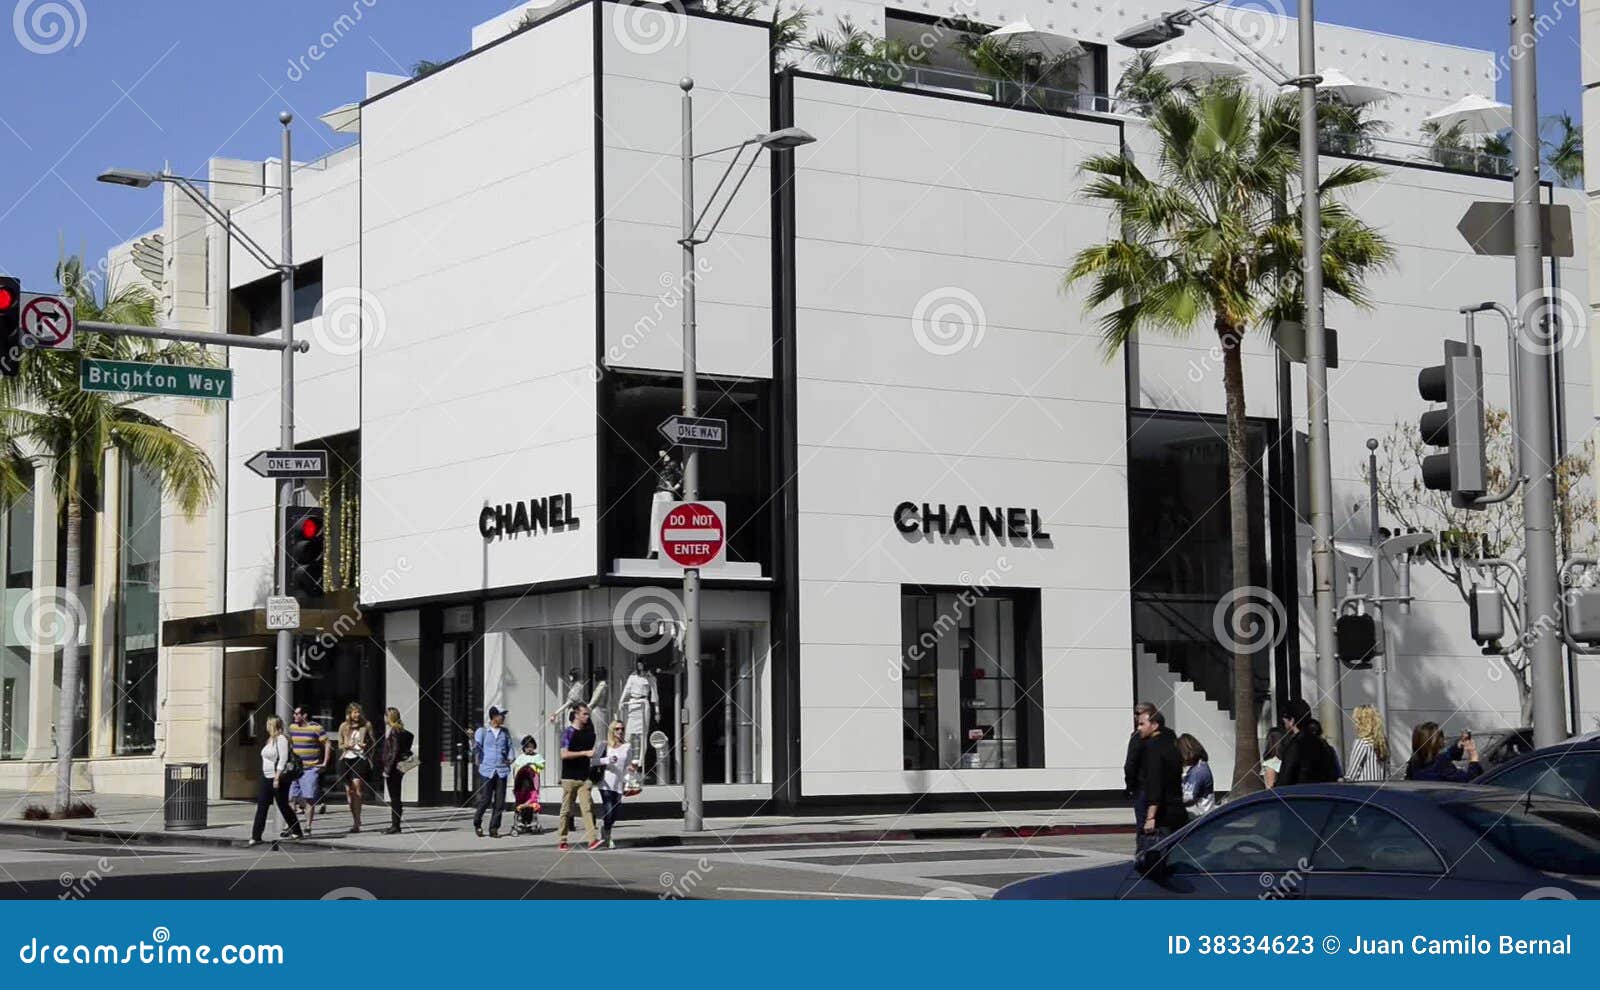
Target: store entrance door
[(452, 709)]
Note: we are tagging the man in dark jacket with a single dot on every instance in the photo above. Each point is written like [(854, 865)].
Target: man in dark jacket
[(1307, 757), (1132, 765), (1160, 779)]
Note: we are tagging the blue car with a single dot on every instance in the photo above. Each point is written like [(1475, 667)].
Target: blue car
[(1566, 770), (1329, 841)]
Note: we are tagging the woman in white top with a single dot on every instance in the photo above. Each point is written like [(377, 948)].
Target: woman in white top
[(1369, 754), (614, 765), (275, 778)]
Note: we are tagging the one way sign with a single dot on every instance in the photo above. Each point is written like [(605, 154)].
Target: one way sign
[(696, 431), (290, 464)]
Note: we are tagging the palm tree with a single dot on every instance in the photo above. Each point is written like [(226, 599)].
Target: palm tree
[(1207, 237), (1007, 63), (44, 409), (852, 53), (1143, 85), (1347, 129), (788, 27), (1564, 155)]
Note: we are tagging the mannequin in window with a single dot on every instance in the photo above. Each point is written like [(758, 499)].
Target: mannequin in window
[(641, 706), (669, 486), (574, 696), (598, 712)]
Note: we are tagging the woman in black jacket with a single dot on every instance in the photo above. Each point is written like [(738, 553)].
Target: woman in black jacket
[(392, 751), (1431, 760)]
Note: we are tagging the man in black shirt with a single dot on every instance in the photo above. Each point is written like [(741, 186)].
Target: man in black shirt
[(1160, 779), (1307, 757), (1131, 765), (577, 750)]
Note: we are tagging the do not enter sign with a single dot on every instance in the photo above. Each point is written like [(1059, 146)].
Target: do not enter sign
[(693, 534)]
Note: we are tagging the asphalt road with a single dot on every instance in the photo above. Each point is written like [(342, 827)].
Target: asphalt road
[(518, 869)]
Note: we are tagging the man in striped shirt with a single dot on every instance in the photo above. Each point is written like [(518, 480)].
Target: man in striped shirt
[(309, 742)]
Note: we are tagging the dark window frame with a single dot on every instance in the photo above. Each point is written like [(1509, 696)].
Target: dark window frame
[(256, 308)]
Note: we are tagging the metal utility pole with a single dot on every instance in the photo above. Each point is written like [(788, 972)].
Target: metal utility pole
[(1380, 663), (1330, 707), (282, 686), (693, 751), (1533, 410)]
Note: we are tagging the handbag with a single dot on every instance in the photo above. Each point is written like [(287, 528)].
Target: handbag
[(407, 763), (632, 781), (294, 766)]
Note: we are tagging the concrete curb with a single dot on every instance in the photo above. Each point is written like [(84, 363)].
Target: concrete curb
[(89, 832)]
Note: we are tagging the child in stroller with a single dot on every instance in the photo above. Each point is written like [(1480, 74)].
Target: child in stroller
[(527, 772)]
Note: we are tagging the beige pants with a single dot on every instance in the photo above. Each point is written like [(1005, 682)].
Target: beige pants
[(579, 791)]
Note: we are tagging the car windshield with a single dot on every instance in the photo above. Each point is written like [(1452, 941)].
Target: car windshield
[(1556, 836)]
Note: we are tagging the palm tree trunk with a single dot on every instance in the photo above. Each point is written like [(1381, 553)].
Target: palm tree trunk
[(67, 706), (1246, 749)]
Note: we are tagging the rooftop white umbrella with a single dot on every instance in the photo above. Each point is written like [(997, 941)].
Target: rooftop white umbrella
[(1027, 36), (1193, 66), (1346, 90), (1473, 114), (344, 119)]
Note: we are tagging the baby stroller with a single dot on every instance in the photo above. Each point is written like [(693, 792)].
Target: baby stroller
[(525, 788)]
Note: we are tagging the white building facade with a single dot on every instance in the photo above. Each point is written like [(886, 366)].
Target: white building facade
[(963, 542)]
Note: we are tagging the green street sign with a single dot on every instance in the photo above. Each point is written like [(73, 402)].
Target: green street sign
[(155, 379)]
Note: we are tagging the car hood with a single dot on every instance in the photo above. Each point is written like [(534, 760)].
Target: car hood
[(1084, 883)]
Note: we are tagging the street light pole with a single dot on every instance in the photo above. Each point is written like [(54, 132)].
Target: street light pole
[(1380, 663), (1330, 707), (693, 764), (282, 688), (1533, 409)]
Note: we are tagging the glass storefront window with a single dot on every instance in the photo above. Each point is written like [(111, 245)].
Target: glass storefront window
[(138, 639), (970, 666)]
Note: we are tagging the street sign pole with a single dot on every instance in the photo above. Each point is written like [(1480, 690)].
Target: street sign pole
[(282, 687), (693, 764), (1533, 412)]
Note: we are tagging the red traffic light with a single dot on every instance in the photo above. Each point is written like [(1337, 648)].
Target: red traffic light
[(7, 299), (310, 528)]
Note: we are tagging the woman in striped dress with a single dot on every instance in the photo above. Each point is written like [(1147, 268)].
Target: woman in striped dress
[(1369, 754)]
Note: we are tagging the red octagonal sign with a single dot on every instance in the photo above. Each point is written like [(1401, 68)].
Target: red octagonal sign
[(693, 534)]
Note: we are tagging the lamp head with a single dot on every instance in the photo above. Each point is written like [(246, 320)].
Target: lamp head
[(127, 177), (1150, 34), (785, 139)]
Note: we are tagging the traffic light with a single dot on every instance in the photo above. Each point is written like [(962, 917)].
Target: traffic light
[(10, 325), (305, 539), (1356, 640), (1462, 469), (1486, 613)]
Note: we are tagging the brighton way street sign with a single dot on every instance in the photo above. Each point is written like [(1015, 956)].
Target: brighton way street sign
[(138, 378)]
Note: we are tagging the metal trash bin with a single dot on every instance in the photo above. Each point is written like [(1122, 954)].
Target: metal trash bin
[(184, 799)]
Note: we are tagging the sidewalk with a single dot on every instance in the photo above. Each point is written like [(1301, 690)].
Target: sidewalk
[(127, 819)]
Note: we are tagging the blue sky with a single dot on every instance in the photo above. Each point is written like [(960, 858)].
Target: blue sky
[(179, 81)]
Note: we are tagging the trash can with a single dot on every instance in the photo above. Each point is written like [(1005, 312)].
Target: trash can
[(184, 800)]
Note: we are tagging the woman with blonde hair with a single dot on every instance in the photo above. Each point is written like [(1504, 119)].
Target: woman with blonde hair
[(275, 777), (355, 759), (1369, 754), (394, 759)]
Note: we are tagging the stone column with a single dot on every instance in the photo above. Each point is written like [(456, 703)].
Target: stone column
[(41, 675)]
